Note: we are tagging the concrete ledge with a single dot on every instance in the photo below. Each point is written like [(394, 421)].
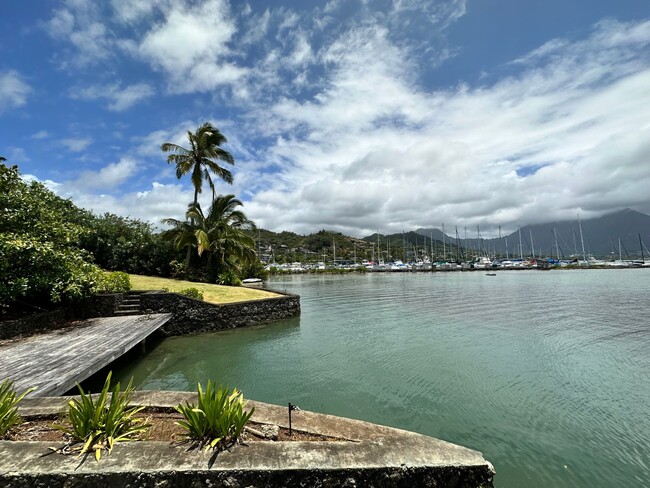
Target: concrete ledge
[(373, 455)]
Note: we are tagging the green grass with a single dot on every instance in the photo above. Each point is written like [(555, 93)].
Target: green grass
[(211, 293)]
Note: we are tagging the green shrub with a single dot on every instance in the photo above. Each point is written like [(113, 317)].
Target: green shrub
[(255, 270), (229, 277), (114, 282), (219, 418), (191, 293), (100, 423), (39, 232), (9, 406)]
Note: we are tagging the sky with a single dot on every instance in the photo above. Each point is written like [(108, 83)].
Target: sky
[(352, 116)]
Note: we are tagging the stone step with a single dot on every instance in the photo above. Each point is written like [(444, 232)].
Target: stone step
[(126, 312), (128, 307)]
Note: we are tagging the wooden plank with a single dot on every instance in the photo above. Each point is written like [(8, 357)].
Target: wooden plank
[(53, 362)]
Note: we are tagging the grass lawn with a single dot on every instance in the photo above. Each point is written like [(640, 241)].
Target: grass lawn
[(211, 293)]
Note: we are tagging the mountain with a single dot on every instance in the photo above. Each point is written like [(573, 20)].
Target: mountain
[(600, 237)]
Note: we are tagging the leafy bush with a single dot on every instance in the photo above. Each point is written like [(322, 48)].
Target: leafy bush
[(229, 277), (113, 282), (39, 232), (192, 293), (100, 423), (9, 406), (255, 270), (219, 418)]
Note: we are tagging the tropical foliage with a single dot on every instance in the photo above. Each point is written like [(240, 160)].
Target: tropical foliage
[(39, 257), (9, 400), (219, 236), (125, 244), (101, 423), (219, 418), (113, 282)]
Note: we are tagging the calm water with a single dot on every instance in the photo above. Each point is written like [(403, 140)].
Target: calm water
[(546, 373)]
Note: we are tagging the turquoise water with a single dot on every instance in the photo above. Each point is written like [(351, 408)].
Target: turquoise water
[(546, 373)]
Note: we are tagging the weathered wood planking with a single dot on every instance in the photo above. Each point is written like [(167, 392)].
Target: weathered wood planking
[(53, 362)]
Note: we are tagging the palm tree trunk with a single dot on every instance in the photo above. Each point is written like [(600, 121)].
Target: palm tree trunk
[(189, 248)]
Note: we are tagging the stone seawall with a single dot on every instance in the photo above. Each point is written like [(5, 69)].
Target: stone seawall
[(193, 316)]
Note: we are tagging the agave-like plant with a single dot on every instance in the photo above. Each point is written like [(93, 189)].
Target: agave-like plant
[(9, 400), (219, 418), (100, 423)]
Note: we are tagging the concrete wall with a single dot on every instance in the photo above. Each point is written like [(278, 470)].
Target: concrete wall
[(194, 316), (382, 477)]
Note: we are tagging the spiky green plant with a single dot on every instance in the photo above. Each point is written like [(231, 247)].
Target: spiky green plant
[(9, 406), (219, 418), (100, 423)]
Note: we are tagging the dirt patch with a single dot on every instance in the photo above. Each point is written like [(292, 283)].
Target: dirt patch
[(163, 427)]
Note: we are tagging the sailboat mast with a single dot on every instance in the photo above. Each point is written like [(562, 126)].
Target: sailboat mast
[(444, 246), (557, 248), (641, 245), (521, 249), (378, 248), (532, 246), (582, 241)]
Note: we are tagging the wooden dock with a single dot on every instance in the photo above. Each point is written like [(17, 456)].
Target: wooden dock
[(53, 362)]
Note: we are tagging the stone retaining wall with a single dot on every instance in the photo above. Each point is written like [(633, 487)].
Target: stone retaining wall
[(33, 323), (96, 306), (194, 316)]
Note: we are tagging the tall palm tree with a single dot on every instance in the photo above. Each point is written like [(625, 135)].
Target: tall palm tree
[(219, 236), (201, 158)]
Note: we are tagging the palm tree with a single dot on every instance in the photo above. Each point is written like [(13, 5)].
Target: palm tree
[(201, 159), (220, 236)]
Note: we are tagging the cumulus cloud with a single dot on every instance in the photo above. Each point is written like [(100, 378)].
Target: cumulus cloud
[(14, 90), (343, 131), (119, 98), (41, 134), (371, 150), (107, 177), (191, 46), (76, 144)]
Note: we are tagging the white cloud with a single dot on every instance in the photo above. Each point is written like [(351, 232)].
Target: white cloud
[(107, 177), (76, 144), (342, 131), (40, 135), (13, 90), (191, 46), (119, 98), (79, 23), (157, 203), (16, 155), (372, 150)]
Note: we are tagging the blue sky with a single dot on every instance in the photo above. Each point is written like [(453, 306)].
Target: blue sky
[(352, 116)]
